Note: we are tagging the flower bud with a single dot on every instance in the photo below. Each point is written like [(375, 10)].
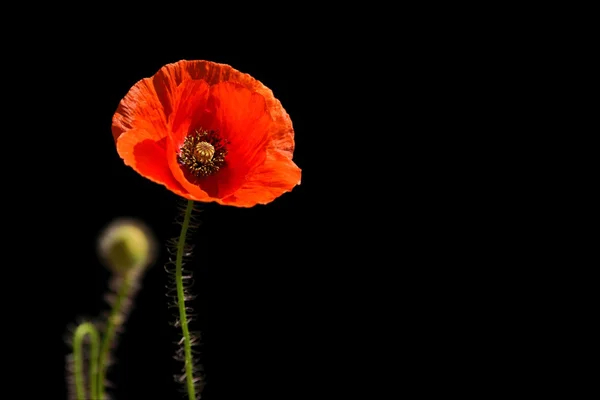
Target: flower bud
[(126, 246)]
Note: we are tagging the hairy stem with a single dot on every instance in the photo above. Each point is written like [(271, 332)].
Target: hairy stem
[(114, 320), (85, 329), (181, 302)]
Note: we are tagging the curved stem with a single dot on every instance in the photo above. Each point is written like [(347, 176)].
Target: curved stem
[(82, 330), (113, 321), (181, 302)]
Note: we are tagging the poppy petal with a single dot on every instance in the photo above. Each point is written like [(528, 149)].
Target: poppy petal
[(190, 110), (276, 176), (189, 102), (139, 127), (238, 115), (241, 118), (194, 192), (146, 156), (141, 109), (281, 133)]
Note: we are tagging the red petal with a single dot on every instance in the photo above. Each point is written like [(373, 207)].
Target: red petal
[(141, 108), (276, 176), (139, 127), (281, 133), (190, 110), (190, 101), (147, 156), (240, 117), (194, 192)]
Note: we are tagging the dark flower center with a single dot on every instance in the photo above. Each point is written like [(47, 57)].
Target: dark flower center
[(202, 153)]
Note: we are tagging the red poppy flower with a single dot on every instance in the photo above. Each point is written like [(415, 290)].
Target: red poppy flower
[(208, 133)]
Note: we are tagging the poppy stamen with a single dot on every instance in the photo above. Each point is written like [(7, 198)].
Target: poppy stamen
[(202, 153)]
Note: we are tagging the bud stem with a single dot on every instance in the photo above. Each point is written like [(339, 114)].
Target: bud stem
[(82, 330), (114, 320)]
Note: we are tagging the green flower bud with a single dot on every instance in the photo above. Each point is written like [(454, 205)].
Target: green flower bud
[(126, 246)]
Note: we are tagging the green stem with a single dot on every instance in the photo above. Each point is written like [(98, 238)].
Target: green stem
[(181, 302), (82, 330), (114, 320)]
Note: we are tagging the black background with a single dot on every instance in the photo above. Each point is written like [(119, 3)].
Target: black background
[(387, 265), (296, 298), (259, 271), (293, 297)]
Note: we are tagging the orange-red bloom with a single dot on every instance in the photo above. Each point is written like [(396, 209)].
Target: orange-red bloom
[(208, 133)]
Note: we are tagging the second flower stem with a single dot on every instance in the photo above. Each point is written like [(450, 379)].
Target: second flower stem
[(114, 320), (82, 330), (191, 389)]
